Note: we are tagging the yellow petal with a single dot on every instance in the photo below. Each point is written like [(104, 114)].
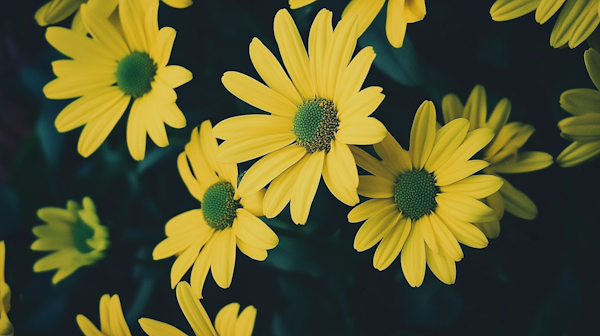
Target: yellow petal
[(368, 209), (473, 143), (371, 164), (87, 327), (55, 11), (222, 258), (447, 243), (499, 115), (200, 269), (245, 322), (413, 258), (84, 68), (580, 101), (281, 188), (190, 181), (340, 173), (422, 134), (186, 260), (581, 128), (452, 108), (321, 33), (164, 44), (178, 3), (592, 64), (585, 25), (257, 94), (575, 23), (465, 208), (524, 162), (201, 164), (375, 186), (428, 232), (253, 203), (132, 15), (376, 227), (306, 187), (256, 124), (193, 311), (136, 129), (366, 10), (504, 10), (476, 108), (443, 267), (208, 143), (354, 76), (77, 46), (391, 244), (251, 251), (226, 319), (546, 9), (395, 24), (153, 119), (173, 116), (447, 140), (248, 146), (393, 155), (339, 52), (460, 171), (104, 32), (578, 153), (490, 229), (466, 233), (295, 4), (118, 325), (88, 107), (189, 220), (517, 203), (174, 75), (361, 104), (272, 73), (75, 86), (414, 10), (254, 231), (176, 244), (478, 186), (360, 131), (157, 328)]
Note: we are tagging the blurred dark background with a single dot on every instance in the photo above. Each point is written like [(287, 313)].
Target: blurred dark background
[(539, 277)]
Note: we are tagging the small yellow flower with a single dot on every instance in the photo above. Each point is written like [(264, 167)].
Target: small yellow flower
[(584, 127), (6, 328), (576, 21), (424, 200), (399, 14), (227, 323), (112, 321), (503, 153), (74, 233), (207, 237), (313, 117), (110, 70)]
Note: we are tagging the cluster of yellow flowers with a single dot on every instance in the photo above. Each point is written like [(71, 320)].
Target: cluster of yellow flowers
[(447, 188)]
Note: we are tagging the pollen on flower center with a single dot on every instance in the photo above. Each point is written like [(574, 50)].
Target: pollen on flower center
[(81, 233), (135, 74), (219, 206), (415, 193), (315, 125)]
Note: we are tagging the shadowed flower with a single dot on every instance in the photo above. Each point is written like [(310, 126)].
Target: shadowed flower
[(424, 200), (110, 70), (6, 328), (576, 21), (503, 153), (112, 321), (584, 127), (207, 237), (74, 233), (227, 323), (399, 14), (314, 116)]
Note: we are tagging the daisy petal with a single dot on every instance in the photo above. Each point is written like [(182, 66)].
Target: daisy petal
[(368, 209), (254, 231), (452, 108), (176, 244), (504, 10), (473, 143), (186, 260), (578, 153), (375, 187), (413, 258), (477, 187), (295, 4), (428, 232), (193, 311), (306, 187), (319, 38), (365, 161), (447, 140), (524, 162), (395, 25), (257, 124), (281, 188), (87, 327), (136, 129), (339, 52), (105, 33), (396, 158), (157, 328), (178, 3), (361, 104), (582, 128), (499, 115), (200, 269), (222, 258), (164, 46), (580, 101), (465, 208), (249, 146), (75, 86), (192, 219), (340, 173), (132, 20), (174, 75), (118, 326), (77, 46), (251, 251), (517, 203), (245, 322), (226, 319), (361, 131), (476, 108), (208, 143), (366, 11), (186, 175), (354, 76), (447, 243), (253, 203), (422, 134), (489, 229), (443, 267), (376, 227), (464, 232), (391, 244)]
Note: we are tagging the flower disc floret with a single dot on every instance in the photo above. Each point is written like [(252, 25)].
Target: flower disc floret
[(315, 125), (414, 194), (135, 74), (218, 206)]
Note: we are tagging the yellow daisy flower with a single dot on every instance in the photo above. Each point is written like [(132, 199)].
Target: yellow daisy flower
[(584, 127), (57, 10), (314, 116), (227, 323), (207, 237), (112, 321), (6, 328), (576, 21), (74, 233), (109, 70), (425, 199), (502, 153), (399, 14)]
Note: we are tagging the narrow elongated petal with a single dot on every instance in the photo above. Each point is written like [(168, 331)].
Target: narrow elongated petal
[(361, 104), (478, 186), (459, 172), (157, 328), (254, 231), (473, 143), (414, 10), (174, 75), (340, 51), (340, 173), (226, 319), (504, 10), (365, 161), (96, 130), (200, 269), (578, 153), (247, 146), (185, 261), (190, 181), (253, 203), (75, 86), (443, 267), (77, 46), (368, 209), (447, 242), (376, 227), (208, 143), (88, 107), (428, 232), (132, 20), (422, 134), (281, 189), (580, 101), (306, 187), (395, 25), (517, 203), (189, 220), (245, 322), (592, 63), (56, 11), (499, 116), (465, 208), (295, 4), (103, 32), (258, 124), (546, 9), (413, 258), (321, 34), (361, 131), (354, 76), (395, 157), (476, 108), (524, 162), (222, 258), (452, 108), (136, 130), (447, 140), (582, 128), (251, 251), (164, 45), (391, 244), (375, 187), (193, 311), (466, 233), (87, 327), (366, 10)]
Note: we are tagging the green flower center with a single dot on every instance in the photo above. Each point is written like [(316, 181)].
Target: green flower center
[(81, 233), (315, 125), (219, 206), (135, 74), (415, 193)]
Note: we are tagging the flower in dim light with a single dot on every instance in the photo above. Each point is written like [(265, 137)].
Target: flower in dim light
[(207, 237), (583, 128), (227, 323), (399, 14), (74, 234), (313, 117), (6, 328), (576, 21), (112, 321), (110, 70), (424, 200), (503, 153), (57, 10)]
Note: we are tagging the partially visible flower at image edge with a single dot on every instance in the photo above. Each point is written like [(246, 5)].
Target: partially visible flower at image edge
[(503, 153), (576, 21), (313, 117), (227, 323), (112, 321), (110, 70), (55, 11), (424, 200), (6, 328), (399, 14), (74, 234), (207, 237), (583, 128)]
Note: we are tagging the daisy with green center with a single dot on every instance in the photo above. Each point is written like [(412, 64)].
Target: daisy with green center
[(227, 323), (207, 237), (112, 321), (576, 21), (110, 70), (55, 11), (424, 200), (503, 153), (399, 14), (74, 233), (583, 128), (313, 117), (6, 328)]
